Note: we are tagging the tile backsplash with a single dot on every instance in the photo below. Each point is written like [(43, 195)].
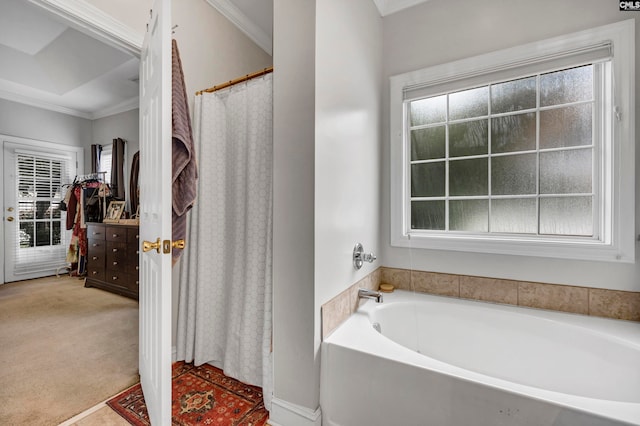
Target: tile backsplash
[(579, 300)]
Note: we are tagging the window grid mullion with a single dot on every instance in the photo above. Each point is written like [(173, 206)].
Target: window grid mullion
[(446, 168), (538, 154), (489, 153)]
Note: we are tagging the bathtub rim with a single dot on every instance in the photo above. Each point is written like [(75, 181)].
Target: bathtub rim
[(356, 333)]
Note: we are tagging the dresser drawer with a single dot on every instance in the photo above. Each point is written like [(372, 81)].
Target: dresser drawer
[(96, 246), (116, 234), (117, 278), (133, 236), (95, 232), (95, 271), (117, 252), (133, 284)]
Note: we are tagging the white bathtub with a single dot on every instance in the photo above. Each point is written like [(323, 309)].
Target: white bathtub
[(448, 362)]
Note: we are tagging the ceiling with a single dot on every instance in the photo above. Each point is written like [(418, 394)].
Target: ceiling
[(48, 64)]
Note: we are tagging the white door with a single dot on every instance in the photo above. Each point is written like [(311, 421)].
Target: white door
[(155, 215), (35, 235)]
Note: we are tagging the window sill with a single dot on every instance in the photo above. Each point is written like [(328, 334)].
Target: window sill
[(577, 249)]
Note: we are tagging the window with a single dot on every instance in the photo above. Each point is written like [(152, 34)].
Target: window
[(104, 164), (522, 151)]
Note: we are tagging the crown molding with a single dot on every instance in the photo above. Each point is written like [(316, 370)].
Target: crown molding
[(240, 20), (387, 7), (95, 22), (125, 106), (27, 100)]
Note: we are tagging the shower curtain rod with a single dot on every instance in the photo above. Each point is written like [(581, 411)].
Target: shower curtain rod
[(236, 81)]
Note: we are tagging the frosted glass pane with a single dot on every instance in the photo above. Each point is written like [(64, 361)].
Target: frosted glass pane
[(566, 216), (468, 177), (513, 133), (428, 111), (566, 172), (513, 174), (513, 95), (427, 144), (567, 126), (427, 179), (469, 103), (469, 215), (469, 138), (427, 215), (514, 215), (561, 87)]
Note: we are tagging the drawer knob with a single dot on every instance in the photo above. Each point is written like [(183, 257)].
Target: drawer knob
[(114, 250), (115, 263), (137, 237), (95, 258), (137, 268), (94, 245), (115, 235), (95, 272), (114, 278)]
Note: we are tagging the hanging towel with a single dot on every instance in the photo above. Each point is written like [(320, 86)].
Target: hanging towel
[(185, 170)]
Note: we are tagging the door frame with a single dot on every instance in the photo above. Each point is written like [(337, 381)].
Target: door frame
[(94, 22), (35, 145)]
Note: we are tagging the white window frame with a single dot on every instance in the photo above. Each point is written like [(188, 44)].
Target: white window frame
[(616, 241)]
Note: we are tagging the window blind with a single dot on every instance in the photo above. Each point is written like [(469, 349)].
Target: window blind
[(41, 239)]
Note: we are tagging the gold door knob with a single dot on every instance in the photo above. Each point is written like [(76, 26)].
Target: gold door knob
[(10, 219), (148, 246), (179, 244)]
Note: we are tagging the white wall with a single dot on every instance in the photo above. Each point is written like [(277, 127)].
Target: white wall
[(35, 123), (212, 49), (441, 31), (327, 96), (123, 125), (348, 141), (296, 368)]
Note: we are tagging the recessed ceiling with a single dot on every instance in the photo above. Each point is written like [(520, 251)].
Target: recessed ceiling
[(48, 64)]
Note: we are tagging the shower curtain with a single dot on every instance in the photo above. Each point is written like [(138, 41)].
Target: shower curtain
[(224, 307)]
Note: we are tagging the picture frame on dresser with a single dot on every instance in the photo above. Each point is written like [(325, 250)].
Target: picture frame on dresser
[(114, 212)]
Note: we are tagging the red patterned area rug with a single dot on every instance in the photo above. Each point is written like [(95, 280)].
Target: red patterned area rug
[(200, 396)]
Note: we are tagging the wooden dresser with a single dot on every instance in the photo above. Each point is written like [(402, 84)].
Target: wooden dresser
[(112, 261)]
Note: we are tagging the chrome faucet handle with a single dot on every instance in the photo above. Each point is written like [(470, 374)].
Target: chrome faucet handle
[(359, 256), (369, 257)]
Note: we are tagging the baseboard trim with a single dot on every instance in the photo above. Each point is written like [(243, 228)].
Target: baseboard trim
[(284, 413)]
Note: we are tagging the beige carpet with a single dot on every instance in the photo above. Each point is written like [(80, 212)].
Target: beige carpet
[(63, 349)]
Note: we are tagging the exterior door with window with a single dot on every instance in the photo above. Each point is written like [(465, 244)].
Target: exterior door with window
[(35, 235)]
